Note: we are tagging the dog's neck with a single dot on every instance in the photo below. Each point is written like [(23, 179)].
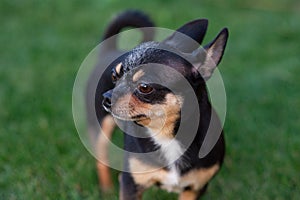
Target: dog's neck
[(161, 130)]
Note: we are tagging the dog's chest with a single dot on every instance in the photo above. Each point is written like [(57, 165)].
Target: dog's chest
[(170, 180), (173, 182), (170, 149)]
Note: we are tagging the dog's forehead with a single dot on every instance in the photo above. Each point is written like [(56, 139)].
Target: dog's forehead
[(172, 64), (137, 55), (157, 53)]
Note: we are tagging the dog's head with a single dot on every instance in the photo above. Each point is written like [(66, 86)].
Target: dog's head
[(150, 81)]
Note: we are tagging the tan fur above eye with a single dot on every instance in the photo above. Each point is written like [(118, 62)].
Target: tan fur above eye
[(138, 75), (118, 68)]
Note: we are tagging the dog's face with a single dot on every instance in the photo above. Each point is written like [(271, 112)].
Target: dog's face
[(143, 96), (149, 81)]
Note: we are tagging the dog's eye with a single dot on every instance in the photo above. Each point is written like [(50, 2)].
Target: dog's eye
[(144, 88)]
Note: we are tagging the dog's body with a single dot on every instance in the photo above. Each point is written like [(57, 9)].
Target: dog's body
[(152, 115)]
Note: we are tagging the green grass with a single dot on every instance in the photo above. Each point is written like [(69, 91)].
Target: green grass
[(44, 42)]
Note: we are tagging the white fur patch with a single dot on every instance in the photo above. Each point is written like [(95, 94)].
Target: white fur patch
[(172, 180), (171, 151), (170, 147)]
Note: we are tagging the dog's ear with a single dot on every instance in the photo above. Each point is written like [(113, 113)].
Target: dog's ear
[(195, 29), (212, 55)]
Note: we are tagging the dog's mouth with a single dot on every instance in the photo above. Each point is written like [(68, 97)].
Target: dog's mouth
[(125, 115), (139, 117)]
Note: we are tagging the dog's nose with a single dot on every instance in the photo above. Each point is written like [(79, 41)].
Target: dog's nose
[(107, 100)]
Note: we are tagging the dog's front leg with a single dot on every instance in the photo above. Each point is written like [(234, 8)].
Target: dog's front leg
[(188, 195), (192, 194), (129, 190)]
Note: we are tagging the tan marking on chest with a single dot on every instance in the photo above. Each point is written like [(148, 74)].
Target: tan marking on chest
[(199, 177), (144, 174), (147, 175)]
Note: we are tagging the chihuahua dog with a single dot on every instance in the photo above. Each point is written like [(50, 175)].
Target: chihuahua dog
[(148, 91)]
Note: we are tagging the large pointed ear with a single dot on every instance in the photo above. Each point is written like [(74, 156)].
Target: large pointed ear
[(195, 30), (214, 53)]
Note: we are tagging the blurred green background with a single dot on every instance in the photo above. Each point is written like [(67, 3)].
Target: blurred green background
[(43, 43)]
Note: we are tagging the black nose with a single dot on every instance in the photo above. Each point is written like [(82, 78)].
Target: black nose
[(107, 99)]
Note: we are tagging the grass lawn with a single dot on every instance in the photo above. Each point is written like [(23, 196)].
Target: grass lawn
[(44, 42)]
